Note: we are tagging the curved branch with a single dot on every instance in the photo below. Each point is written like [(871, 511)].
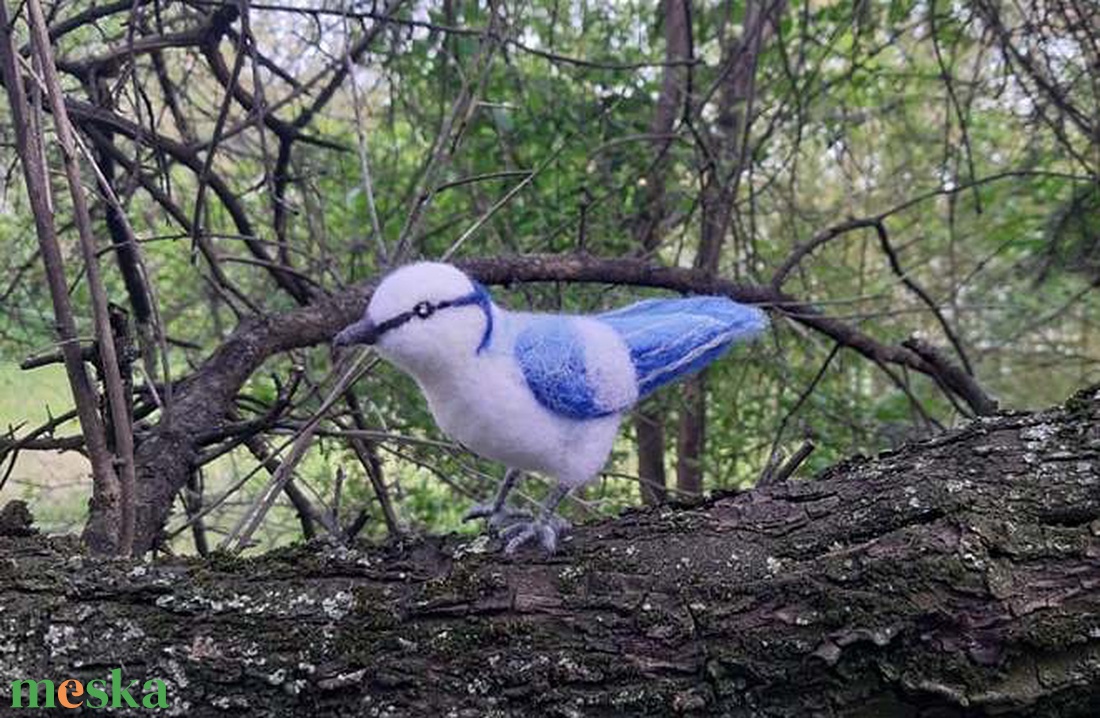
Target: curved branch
[(917, 289)]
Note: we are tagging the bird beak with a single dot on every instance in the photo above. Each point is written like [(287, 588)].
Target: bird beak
[(363, 331)]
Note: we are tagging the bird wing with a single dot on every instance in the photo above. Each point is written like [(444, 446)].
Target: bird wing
[(668, 338), (575, 366)]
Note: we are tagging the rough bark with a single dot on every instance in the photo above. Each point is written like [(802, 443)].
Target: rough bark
[(959, 576)]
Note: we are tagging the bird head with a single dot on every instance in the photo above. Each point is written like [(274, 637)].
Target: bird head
[(423, 316)]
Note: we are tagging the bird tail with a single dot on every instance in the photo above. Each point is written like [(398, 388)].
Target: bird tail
[(670, 338)]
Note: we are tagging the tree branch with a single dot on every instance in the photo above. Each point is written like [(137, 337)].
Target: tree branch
[(953, 577)]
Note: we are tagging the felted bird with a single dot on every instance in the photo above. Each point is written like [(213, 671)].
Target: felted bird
[(541, 393)]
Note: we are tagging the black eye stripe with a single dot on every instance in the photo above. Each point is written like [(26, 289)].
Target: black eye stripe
[(425, 309)]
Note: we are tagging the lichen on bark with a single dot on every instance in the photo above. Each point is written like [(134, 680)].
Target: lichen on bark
[(959, 576)]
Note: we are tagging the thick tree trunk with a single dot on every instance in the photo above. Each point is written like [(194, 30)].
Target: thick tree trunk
[(960, 576)]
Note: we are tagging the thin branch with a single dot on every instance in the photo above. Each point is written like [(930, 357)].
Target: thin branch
[(251, 520), (917, 289), (382, 258), (387, 18), (445, 145), (785, 471), (105, 481), (109, 360)]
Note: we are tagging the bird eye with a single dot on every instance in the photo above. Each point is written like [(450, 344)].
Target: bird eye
[(424, 310)]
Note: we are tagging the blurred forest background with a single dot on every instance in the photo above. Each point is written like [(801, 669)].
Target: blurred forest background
[(911, 187)]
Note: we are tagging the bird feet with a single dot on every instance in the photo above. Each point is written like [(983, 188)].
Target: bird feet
[(545, 529), (497, 516)]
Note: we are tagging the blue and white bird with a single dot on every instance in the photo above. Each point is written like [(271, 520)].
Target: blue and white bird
[(541, 393)]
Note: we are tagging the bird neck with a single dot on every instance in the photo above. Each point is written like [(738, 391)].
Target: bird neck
[(444, 382)]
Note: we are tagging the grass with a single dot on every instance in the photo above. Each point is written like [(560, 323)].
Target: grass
[(31, 395), (56, 485)]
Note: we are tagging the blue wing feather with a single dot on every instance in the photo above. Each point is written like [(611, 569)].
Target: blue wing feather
[(669, 338), (550, 353)]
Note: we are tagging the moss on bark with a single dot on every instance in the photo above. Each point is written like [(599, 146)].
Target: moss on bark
[(959, 576)]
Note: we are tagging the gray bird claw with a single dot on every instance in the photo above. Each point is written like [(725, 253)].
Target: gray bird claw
[(497, 517), (546, 531)]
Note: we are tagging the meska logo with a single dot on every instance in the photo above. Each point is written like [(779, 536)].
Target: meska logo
[(71, 693)]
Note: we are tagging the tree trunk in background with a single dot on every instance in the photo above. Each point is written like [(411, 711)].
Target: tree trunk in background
[(649, 423), (692, 435), (649, 428), (725, 160), (671, 102), (956, 577)]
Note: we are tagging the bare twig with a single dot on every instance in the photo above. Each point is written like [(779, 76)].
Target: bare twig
[(365, 452), (446, 144), (349, 371), (784, 472), (364, 155), (774, 453)]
